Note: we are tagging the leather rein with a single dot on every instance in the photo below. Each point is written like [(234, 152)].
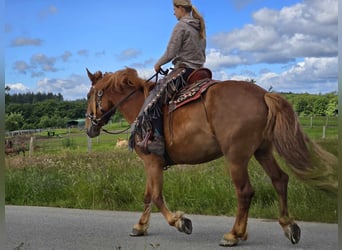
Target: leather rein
[(95, 121)]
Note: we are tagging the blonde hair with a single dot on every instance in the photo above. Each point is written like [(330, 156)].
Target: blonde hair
[(197, 15)]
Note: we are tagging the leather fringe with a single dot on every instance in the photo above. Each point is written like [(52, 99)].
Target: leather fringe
[(160, 95)]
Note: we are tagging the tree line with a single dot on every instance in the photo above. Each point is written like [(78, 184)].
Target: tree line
[(314, 104), (40, 110), (48, 110)]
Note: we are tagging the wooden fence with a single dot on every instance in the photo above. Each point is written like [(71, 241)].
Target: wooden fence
[(50, 141)]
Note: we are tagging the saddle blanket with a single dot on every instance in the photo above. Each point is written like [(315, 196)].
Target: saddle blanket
[(190, 93)]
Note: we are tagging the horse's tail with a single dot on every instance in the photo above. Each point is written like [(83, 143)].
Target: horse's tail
[(308, 161)]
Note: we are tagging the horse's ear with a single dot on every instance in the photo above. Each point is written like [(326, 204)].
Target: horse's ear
[(91, 76)]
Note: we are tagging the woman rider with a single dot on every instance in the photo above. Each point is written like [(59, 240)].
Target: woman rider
[(186, 50)]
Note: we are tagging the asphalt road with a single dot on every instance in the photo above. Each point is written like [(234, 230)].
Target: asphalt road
[(41, 228)]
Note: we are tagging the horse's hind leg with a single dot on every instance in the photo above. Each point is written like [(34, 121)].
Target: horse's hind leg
[(244, 193), (279, 180)]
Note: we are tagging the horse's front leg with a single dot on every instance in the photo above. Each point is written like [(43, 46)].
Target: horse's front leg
[(140, 229), (154, 195)]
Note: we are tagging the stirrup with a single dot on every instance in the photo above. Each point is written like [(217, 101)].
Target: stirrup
[(144, 143)]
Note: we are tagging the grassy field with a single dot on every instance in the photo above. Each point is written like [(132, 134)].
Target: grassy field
[(62, 173)]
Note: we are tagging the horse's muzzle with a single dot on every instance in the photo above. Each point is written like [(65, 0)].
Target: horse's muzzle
[(93, 131)]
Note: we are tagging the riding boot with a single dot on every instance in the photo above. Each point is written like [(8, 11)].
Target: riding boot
[(157, 145), (154, 142)]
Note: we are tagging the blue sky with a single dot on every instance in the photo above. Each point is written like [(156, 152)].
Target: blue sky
[(290, 45)]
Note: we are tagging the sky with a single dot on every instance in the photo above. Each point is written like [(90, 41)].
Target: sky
[(286, 46)]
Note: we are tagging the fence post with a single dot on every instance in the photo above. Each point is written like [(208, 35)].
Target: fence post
[(323, 136), (310, 121), (89, 144), (31, 146)]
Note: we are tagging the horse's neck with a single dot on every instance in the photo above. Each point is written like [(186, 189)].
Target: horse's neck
[(131, 108)]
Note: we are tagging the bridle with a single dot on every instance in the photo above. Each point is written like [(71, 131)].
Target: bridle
[(97, 105)]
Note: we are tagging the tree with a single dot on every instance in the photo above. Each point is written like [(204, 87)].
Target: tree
[(320, 105), (7, 95), (332, 107), (303, 105), (45, 122), (14, 121)]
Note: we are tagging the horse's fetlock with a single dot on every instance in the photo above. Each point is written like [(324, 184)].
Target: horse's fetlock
[(177, 220), (179, 214), (285, 221)]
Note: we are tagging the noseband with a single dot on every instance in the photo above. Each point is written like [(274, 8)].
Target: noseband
[(97, 105)]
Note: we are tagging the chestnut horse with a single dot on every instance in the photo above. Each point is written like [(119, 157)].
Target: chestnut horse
[(233, 119)]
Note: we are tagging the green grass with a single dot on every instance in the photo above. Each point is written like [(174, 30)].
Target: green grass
[(116, 180), (61, 173)]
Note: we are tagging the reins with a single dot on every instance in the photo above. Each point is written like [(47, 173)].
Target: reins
[(161, 72), (112, 110), (116, 132)]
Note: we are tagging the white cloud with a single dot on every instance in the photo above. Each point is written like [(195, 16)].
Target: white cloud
[(239, 4), (44, 62), (22, 67), (66, 56), (51, 10), (216, 60), (128, 54), (304, 34), (83, 52), (18, 88), (74, 87), (23, 41), (307, 29), (312, 75)]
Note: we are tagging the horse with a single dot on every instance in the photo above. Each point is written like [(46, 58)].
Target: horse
[(233, 119), (10, 148)]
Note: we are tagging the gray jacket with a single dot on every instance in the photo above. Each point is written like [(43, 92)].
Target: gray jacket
[(185, 45)]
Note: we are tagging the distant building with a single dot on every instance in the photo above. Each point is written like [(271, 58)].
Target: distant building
[(79, 123)]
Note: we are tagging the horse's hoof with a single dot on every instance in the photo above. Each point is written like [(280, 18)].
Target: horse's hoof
[(293, 233), (228, 243), (137, 233), (186, 226), (183, 224), (229, 240)]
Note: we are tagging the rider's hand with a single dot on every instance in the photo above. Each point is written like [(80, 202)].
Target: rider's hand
[(157, 67)]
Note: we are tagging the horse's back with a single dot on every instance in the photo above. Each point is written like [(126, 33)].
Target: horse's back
[(230, 115), (237, 96)]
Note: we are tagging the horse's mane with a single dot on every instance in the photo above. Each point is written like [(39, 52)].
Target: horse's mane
[(123, 79)]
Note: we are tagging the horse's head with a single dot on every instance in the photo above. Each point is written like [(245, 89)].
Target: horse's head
[(98, 104), (107, 93)]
